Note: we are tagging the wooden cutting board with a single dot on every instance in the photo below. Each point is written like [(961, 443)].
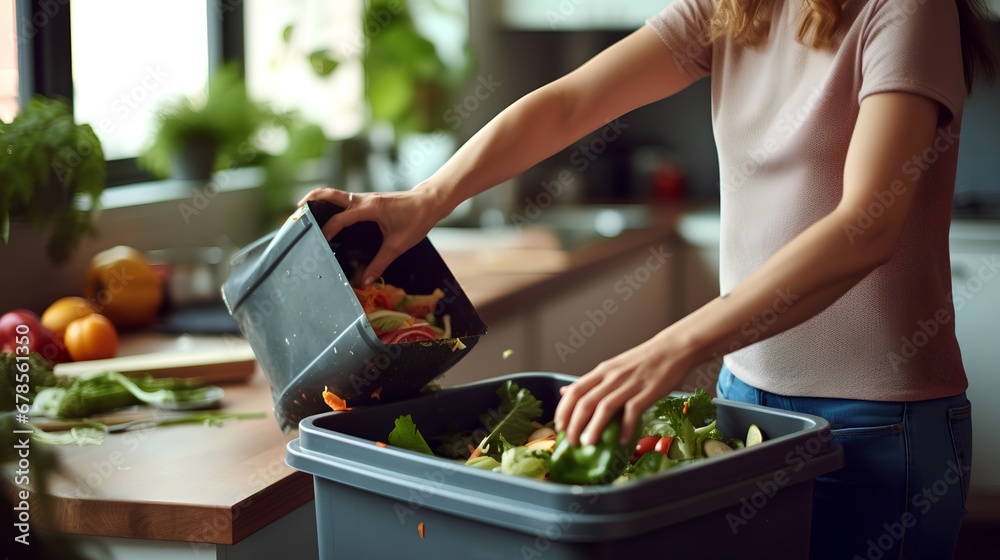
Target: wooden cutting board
[(218, 365)]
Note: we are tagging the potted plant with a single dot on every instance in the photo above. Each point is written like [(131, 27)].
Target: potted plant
[(46, 160), (409, 90), (194, 138), (407, 84)]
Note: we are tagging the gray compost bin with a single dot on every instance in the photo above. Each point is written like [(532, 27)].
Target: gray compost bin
[(291, 297), (371, 499)]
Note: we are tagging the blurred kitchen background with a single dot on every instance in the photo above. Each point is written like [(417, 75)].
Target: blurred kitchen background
[(215, 116)]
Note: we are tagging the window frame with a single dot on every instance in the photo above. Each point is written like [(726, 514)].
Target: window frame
[(45, 63)]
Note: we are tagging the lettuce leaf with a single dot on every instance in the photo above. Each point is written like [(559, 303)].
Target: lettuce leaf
[(484, 462), (407, 436), (521, 461), (651, 463), (691, 420), (383, 320), (511, 421), (700, 410)]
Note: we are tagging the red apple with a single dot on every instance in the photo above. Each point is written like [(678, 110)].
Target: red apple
[(21, 327)]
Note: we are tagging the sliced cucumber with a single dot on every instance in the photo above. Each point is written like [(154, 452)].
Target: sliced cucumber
[(713, 447), (736, 443), (754, 436), (675, 450)]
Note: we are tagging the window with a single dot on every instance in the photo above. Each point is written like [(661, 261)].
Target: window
[(8, 62), (128, 59), (290, 38), (564, 15), (117, 61), (278, 67)]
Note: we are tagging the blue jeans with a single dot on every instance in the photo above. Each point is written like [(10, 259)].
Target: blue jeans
[(902, 491)]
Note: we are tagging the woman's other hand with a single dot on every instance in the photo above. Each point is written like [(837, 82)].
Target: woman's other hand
[(632, 381)]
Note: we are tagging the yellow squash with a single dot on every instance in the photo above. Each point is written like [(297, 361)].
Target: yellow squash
[(123, 287)]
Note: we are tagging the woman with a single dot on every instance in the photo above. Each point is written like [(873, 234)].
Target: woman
[(837, 127)]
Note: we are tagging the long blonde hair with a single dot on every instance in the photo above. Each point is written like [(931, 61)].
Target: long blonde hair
[(748, 22)]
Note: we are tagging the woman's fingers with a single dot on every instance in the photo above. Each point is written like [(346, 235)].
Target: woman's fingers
[(627, 384), (585, 406), (348, 217), (570, 394), (349, 201), (607, 408), (633, 411), (336, 196), (386, 254), (402, 217)]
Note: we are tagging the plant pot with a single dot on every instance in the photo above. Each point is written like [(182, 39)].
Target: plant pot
[(195, 160)]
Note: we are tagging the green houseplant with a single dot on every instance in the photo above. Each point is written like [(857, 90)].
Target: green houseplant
[(408, 86), (46, 160), (195, 138)]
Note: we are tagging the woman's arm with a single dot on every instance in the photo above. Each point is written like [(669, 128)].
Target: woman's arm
[(631, 73), (814, 270)]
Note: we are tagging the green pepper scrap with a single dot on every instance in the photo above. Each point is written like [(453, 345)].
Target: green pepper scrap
[(590, 464)]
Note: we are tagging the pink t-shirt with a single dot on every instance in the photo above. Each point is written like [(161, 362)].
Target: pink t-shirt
[(783, 116)]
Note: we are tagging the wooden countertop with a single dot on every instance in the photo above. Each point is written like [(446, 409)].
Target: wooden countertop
[(183, 483), (221, 484)]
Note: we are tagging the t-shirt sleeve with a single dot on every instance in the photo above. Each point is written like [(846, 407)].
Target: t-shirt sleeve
[(683, 26), (915, 47)]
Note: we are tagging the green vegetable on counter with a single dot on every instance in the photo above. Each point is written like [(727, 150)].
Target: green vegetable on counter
[(39, 376), (89, 432), (86, 395)]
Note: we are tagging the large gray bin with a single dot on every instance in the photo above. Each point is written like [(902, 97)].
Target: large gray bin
[(370, 500)]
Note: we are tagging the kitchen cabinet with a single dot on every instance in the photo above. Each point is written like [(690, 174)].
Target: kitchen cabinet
[(599, 302), (579, 321), (597, 317), (291, 536), (486, 359), (975, 256)]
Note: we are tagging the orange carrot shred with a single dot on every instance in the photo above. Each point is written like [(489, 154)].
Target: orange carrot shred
[(334, 402), (381, 443), (420, 529), (377, 393), (686, 405)]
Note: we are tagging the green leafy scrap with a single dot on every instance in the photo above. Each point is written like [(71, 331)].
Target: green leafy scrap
[(521, 461), (406, 435), (651, 463), (511, 421)]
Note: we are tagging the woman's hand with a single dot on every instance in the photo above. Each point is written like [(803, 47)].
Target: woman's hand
[(404, 218), (633, 380)]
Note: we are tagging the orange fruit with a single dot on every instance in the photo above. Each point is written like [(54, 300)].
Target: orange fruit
[(125, 288), (91, 338), (64, 311)]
